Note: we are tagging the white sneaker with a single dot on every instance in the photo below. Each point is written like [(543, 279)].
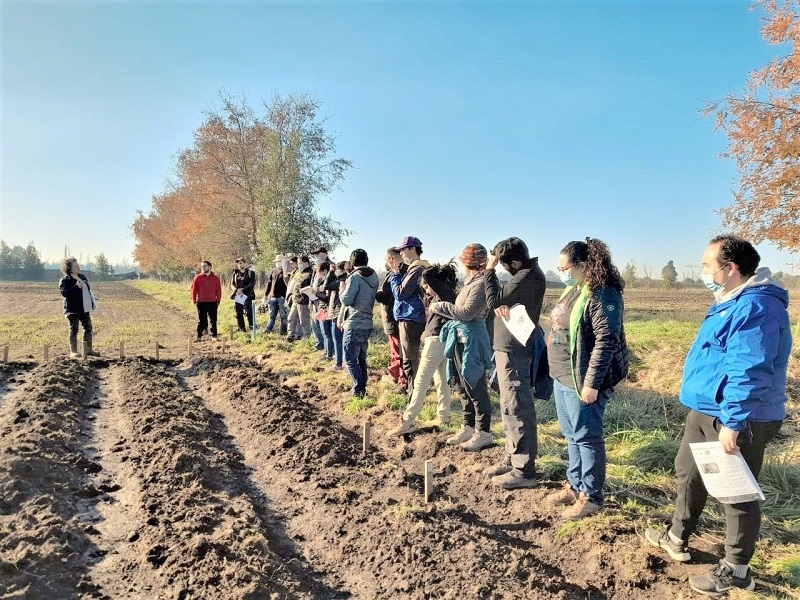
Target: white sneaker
[(404, 428), (481, 439), (464, 434)]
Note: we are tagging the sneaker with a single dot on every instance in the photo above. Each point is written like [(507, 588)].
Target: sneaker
[(566, 495), (198, 339), (481, 439), (720, 580), (463, 435), (660, 539), (75, 355), (583, 507), (513, 480), (336, 368), (500, 468), (404, 428)]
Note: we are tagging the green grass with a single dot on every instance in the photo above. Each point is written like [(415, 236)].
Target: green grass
[(357, 405)]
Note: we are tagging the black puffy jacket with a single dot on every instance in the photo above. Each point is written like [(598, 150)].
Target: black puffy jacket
[(73, 295)]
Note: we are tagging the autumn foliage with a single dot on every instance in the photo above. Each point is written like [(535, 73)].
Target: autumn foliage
[(763, 127), (248, 186)]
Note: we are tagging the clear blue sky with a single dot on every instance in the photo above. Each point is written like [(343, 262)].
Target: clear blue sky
[(466, 121)]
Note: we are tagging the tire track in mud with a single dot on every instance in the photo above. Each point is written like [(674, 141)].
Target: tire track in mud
[(187, 523), (360, 518), (46, 543)]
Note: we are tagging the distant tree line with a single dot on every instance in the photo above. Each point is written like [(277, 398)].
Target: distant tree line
[(249, 186), (26, 264)]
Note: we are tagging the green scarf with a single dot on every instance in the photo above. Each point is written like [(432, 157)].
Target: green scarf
[(574, 320)]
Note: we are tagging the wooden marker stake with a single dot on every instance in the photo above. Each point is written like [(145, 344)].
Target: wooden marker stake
[(189, 348), (223, 343), (157, 348), (46, 352), (428, 480), (5, 353), (366, 436), (122, 349)]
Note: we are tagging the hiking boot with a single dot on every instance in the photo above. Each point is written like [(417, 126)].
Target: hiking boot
[(500, 468), (583, 507), (463, 435), (198, 339), (88, 351), (513, 480), (720, 580), (660, 539), (566, 495), (404, 428), (481, 439), (336, 368)]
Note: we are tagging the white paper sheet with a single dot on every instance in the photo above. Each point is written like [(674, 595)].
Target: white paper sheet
[(726, 476), (240, 299), (519, 323), (309, 291)]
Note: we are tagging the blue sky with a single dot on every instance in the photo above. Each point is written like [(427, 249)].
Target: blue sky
[(466, 121)]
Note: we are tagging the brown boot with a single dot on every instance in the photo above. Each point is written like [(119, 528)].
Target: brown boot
[(563, 496), (583, 507)]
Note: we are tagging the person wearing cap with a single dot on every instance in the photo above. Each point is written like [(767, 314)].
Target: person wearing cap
[(275, 296), (466, 342), (243, 283), (300, 312), (514, 360), (385, 297), (409, 309)]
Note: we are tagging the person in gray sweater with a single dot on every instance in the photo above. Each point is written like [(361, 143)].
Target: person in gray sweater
[(470, 307), (355, 318)]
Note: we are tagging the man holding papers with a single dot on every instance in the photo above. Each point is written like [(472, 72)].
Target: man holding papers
[(514, 358), (734, 382)]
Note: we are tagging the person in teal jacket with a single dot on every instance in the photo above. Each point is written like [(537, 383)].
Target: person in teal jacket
[(734, 383)]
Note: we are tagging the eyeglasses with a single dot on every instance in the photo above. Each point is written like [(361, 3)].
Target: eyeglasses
[(564, 269)]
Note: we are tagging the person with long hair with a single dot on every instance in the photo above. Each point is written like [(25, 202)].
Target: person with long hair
[(439, 283), (588, 357)]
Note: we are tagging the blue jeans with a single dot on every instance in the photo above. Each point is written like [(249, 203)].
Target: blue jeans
[(582, 425), (327, 335), (356, 342), (316, 327), (338, 346), (276, 306)]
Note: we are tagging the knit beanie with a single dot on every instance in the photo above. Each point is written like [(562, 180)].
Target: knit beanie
[(473, 256)]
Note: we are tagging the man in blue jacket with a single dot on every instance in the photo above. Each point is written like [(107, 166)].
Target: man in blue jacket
[(734, 383)]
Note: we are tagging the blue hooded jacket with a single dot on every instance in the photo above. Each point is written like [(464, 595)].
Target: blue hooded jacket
[(736, 368)]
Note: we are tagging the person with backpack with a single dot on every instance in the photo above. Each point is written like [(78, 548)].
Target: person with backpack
[(587, 356)]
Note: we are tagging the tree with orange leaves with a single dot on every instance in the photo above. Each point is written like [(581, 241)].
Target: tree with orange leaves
[(763, 128)]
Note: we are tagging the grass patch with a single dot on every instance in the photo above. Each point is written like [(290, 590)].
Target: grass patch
[(356, 405)]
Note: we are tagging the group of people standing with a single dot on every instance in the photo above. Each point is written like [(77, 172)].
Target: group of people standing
[(734, 377)]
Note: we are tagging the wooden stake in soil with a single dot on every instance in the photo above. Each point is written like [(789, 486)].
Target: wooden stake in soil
[(122, 349), (189, 348), (46, 352), (366, 436), (223, 343), (428, 480), (5, 353), (157, 348), (230, 331)]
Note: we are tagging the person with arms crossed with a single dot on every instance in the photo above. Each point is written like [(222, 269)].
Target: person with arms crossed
[(206, 296)]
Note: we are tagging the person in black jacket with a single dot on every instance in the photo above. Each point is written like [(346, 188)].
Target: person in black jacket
[(243, 283), (514, 359), (390, 327), (78, 305), (584, 348), (275, 295), (299, 313)]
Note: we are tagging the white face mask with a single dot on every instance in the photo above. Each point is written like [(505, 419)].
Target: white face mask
[(708, 280)]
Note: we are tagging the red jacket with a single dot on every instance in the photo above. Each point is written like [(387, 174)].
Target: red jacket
[(206, 288)]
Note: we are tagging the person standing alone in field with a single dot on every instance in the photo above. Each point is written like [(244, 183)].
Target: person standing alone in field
[(514, 360), (78, 305), (206, 296), (243, 283), (734, 383)]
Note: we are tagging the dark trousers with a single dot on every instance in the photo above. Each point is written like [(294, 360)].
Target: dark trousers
[(85, 319), (206, 311), (247, 307), (518, 410), (475, 400), (743, 520), (410, 342)]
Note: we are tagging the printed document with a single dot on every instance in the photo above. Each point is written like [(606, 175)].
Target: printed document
[(240, 298), (726, 476), (519, 323), (308, 291)]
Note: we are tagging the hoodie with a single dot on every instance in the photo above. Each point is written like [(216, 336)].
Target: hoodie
[(358, 299), (736, 368), (408, 305)]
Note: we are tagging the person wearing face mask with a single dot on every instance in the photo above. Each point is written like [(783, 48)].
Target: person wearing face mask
[(320, 258), (206, 296), (243, 283), (300, 312), (734, 384), (409, 310), (588, 356), (514, 360), (333, 288)]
